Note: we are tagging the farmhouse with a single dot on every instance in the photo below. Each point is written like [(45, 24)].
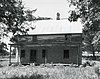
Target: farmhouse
[(52, 41)]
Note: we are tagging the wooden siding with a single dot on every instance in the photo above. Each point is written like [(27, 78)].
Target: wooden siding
[(67, 38), (55, 46), (54, 54)]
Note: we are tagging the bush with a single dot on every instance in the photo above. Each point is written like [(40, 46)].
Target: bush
[(86, 64)]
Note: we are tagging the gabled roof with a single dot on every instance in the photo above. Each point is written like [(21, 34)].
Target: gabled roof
[(56, 27)]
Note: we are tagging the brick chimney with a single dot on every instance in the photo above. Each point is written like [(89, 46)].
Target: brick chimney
[(58, 16)]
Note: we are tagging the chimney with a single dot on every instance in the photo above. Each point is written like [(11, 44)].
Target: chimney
[(58, 16)]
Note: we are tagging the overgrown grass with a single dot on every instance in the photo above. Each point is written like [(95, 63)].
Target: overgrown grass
[(49, 72), (57, 72), (26, 77)]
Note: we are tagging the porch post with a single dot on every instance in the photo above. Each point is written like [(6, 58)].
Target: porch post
[(45, 60), (77, 61), (17, 55), (10, 56), (78, 55)]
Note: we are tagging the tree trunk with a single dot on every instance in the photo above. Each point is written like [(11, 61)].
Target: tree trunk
[(94, 57)]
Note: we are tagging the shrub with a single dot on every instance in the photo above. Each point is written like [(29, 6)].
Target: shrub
[(86, 64)]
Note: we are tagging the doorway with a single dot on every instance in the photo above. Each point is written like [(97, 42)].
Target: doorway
[(32, 56)]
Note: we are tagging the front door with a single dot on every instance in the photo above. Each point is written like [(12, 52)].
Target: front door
[(32, 56)]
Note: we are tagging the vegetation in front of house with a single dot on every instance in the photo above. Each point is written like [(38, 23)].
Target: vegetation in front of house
[(49, 72), (88, 70), (26, 77)]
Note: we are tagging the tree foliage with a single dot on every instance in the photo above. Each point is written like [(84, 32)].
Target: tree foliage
[(12, 19), (3, 49), (12, 15), (89, 12), (16, 19)]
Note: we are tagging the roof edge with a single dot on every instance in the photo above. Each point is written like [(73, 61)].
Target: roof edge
[(51, 34)]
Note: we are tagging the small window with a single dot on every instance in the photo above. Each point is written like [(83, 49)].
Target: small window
[(34, 38), (22, 53), (43, 53), (67, 36), (66, 54)]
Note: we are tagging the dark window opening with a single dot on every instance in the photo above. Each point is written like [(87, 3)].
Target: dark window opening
[(33, 53), (22, 53), (66, 54), (66, 37), (43, 53)]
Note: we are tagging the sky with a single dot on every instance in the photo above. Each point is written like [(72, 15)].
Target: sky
[(48, 8)]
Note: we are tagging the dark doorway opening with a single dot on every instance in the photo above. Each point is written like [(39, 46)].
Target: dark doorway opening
[(32, 56)]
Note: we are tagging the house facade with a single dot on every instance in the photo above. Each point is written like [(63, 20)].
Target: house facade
[(51, 41)]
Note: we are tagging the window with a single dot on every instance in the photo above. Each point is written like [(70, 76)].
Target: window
[(43, 53), (68, 37), (66, 54), (34, 38), (22, 53)]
